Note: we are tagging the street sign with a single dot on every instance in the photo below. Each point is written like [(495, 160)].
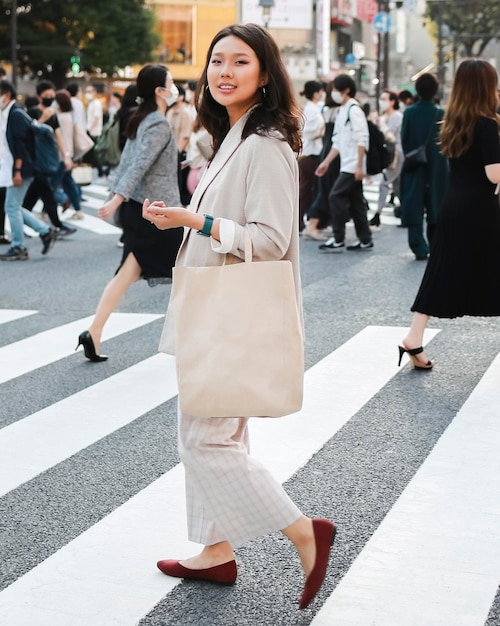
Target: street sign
[(382, 22)]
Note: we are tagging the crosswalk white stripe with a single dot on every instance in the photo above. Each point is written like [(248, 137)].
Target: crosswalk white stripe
[(435, 559), (47, 437), (95, 224), (51, 345), (107, 575), (9, 315)]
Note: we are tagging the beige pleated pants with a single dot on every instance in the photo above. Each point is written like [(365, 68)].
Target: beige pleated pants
[(230, 496)]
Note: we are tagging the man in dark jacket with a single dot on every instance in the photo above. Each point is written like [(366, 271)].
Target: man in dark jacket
[(16, 174)]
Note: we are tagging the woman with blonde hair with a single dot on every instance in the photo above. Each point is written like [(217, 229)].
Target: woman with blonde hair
[(462, 273)]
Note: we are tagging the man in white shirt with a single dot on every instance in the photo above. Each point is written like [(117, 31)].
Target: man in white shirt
[(79, 115), (351, 140)]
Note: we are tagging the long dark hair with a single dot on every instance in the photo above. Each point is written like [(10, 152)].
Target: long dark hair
[(278, 109), (474, 94), (149, 78)]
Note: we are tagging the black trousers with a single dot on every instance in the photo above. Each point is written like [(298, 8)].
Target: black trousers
[(347, 201)]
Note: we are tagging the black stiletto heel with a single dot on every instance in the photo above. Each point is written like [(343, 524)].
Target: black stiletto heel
[(418, 365), (85, 340)]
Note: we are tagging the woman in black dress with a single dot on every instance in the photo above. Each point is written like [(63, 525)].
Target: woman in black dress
[(468, 228)]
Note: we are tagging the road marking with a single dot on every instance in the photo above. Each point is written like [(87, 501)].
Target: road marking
[(47, 437), (9, 315), (435, 558), (57, 343), (107, 575)]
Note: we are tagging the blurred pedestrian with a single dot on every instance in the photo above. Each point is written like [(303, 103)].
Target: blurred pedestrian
[(148, 167), (461, 277), (318, 213), (350, 140), (246, 103), (181, 122), (312, 143), (78, 108), (16, 174), (198, 154), (423, 188), (390, 122), (95, 122)]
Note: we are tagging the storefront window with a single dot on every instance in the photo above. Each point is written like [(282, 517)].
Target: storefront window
[(175, 25)]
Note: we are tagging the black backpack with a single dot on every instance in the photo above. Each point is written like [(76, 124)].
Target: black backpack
[(378, 156)]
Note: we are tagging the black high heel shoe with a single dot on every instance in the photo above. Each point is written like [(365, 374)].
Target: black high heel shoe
[(85, 340), (418, 365)]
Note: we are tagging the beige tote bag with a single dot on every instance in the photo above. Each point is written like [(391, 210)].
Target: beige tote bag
[(238, 339)]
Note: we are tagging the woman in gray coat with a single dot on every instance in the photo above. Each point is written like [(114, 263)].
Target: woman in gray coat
[(245, 101), (148, 168)]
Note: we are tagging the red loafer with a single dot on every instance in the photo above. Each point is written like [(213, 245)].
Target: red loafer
[(324, 534), (224, 574)]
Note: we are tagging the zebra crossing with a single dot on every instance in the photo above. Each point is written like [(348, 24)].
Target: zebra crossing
[(434, 558)]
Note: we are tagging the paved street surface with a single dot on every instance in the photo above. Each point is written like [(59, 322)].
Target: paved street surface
[(406, 463)]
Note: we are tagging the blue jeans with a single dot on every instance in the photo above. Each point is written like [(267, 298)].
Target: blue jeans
[(71, 189), (18, 215)]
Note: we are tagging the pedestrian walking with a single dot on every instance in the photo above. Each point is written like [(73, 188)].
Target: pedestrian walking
[(16, 174), (148, 167), (312, 143), (246, 103), (390, 123), (423, 188), (350, 140), (461, 277)]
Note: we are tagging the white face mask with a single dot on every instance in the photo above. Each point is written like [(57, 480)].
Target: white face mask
[(89, 96), (3, 103), (337, 97), (383, 105), (402, 106), (174, 94)]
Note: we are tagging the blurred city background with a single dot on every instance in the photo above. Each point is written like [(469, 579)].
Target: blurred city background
[(381, 43)]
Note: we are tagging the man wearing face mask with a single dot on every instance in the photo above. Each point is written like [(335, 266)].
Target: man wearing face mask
[(16, 174), (48, 188), (350, 139)]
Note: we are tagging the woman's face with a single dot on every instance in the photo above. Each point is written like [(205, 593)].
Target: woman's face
[(234, 76)]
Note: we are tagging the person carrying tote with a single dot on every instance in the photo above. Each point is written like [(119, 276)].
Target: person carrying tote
[(245, 101), (461, 277)]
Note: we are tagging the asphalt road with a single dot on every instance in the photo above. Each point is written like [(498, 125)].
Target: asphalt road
[(80, 470)]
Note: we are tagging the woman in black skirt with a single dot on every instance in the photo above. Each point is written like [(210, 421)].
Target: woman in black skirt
[(466, 242), (147, 169)]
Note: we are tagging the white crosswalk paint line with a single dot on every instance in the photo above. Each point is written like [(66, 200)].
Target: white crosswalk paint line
[(435, 559), (365, 364), (107, 575), (51, 345), (95, 224), (40, 441), (9, 315)]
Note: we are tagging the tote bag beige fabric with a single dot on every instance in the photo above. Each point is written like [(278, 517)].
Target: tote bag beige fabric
[(238, 339), (82, 143)]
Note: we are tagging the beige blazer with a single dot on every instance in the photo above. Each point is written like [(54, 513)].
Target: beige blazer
[(254, 183)]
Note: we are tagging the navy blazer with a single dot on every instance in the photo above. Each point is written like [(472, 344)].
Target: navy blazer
[(20, 138)]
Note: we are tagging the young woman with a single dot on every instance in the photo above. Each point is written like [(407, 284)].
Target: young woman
[(245, 101), (461, 277), (148, 166)]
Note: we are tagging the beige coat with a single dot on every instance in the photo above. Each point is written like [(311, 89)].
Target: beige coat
[(255, 184)]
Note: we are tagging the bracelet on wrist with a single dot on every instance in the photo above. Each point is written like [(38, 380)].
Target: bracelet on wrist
[(207, 226)]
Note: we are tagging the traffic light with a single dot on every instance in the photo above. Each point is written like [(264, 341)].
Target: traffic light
[(75, 65)]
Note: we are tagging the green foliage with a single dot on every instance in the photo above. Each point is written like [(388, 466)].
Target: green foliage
[(472, 24), (105, 34)]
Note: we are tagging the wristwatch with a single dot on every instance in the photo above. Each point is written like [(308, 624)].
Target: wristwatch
[(207, 226)]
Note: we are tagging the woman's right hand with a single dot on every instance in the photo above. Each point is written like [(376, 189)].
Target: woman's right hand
[(164, 217)]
